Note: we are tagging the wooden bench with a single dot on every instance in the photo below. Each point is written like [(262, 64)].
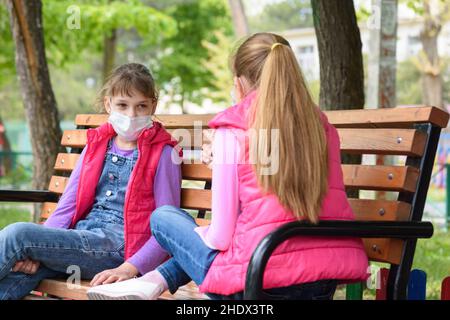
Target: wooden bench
[(389, 228)]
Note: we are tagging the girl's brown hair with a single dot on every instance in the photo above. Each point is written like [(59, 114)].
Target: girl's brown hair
[(126, 78), (284, 103)]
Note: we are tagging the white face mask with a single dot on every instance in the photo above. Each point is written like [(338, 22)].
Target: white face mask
[(233, 96), (129, 128), (233, 92)]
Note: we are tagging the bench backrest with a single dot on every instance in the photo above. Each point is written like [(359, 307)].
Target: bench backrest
[(411, 132)]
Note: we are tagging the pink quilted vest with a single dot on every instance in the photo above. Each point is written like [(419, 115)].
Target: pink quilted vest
[(139, 197), (298, 260)]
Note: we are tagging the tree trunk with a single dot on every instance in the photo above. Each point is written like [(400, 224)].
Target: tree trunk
[(36, 89), (382, 67), (239, 19), (341, 63), (6, 160), (109, 53), (431, 77)]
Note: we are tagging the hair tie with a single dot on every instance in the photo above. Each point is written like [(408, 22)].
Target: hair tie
[(275, 45)]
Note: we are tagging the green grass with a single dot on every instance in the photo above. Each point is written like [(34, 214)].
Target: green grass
[(436, 194), (12, 213), (432, 256)]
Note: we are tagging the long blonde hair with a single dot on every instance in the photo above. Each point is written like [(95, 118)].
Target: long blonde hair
[(267, 63)]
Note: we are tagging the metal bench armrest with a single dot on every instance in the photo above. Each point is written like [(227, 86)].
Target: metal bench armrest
[(362, 229), (28, 196)]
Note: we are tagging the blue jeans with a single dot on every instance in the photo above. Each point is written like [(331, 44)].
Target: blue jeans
[(96, 244), (89, 251), (173, 228)]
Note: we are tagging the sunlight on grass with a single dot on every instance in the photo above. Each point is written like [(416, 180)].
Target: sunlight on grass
[(10, 213)]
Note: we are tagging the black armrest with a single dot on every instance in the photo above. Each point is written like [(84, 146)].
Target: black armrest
[(362, 229), (28, 196)]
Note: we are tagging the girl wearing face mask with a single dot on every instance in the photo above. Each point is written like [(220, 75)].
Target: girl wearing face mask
[(101, 226)]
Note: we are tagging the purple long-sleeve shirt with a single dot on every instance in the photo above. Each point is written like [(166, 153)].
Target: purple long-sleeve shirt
[(167, 191)]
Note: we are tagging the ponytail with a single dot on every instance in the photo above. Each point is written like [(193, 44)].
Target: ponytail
[(286, 108)]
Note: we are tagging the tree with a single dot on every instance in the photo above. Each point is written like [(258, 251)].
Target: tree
[(6, 48), (72, 29), (341, 63), (37, 93), (239, 19), (283, 15), (435, 13), (340, 55), (100, 24), (177, 62), (217, 63)]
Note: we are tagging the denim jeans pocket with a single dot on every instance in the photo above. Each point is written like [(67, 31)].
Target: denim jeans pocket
[(121, 248)]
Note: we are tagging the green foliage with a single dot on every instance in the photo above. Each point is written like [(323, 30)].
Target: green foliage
[(418, 6), (7, 65), (363, 13), (282, 15), (166, 35), (409, 90), (66, 39), (178, 61), (408, 84), (18, 177), (218, 64), (415, 5), (71, 29), (10, 213), (433, 257), (12, 106)]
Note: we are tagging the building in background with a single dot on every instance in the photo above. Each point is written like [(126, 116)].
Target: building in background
[(304, 42)]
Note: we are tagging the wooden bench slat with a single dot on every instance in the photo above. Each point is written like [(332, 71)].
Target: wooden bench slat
[(194, 171), (383, 141), (388, 117), (384, 250), (198, 199), (74, 138), (189, 291), (356, 141), (364, 209), (368, 118), (169, 121), (387, 178), (66, 161), (58, 184), (380, 210), (404, 142), (59, 288), (36, 297), (364, 177), (47, 209)]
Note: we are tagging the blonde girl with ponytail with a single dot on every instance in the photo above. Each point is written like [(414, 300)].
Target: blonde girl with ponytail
[(275, 115)]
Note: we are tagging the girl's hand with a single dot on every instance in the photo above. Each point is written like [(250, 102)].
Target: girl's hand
[(207, 156), (27, 266), (124, 272)]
